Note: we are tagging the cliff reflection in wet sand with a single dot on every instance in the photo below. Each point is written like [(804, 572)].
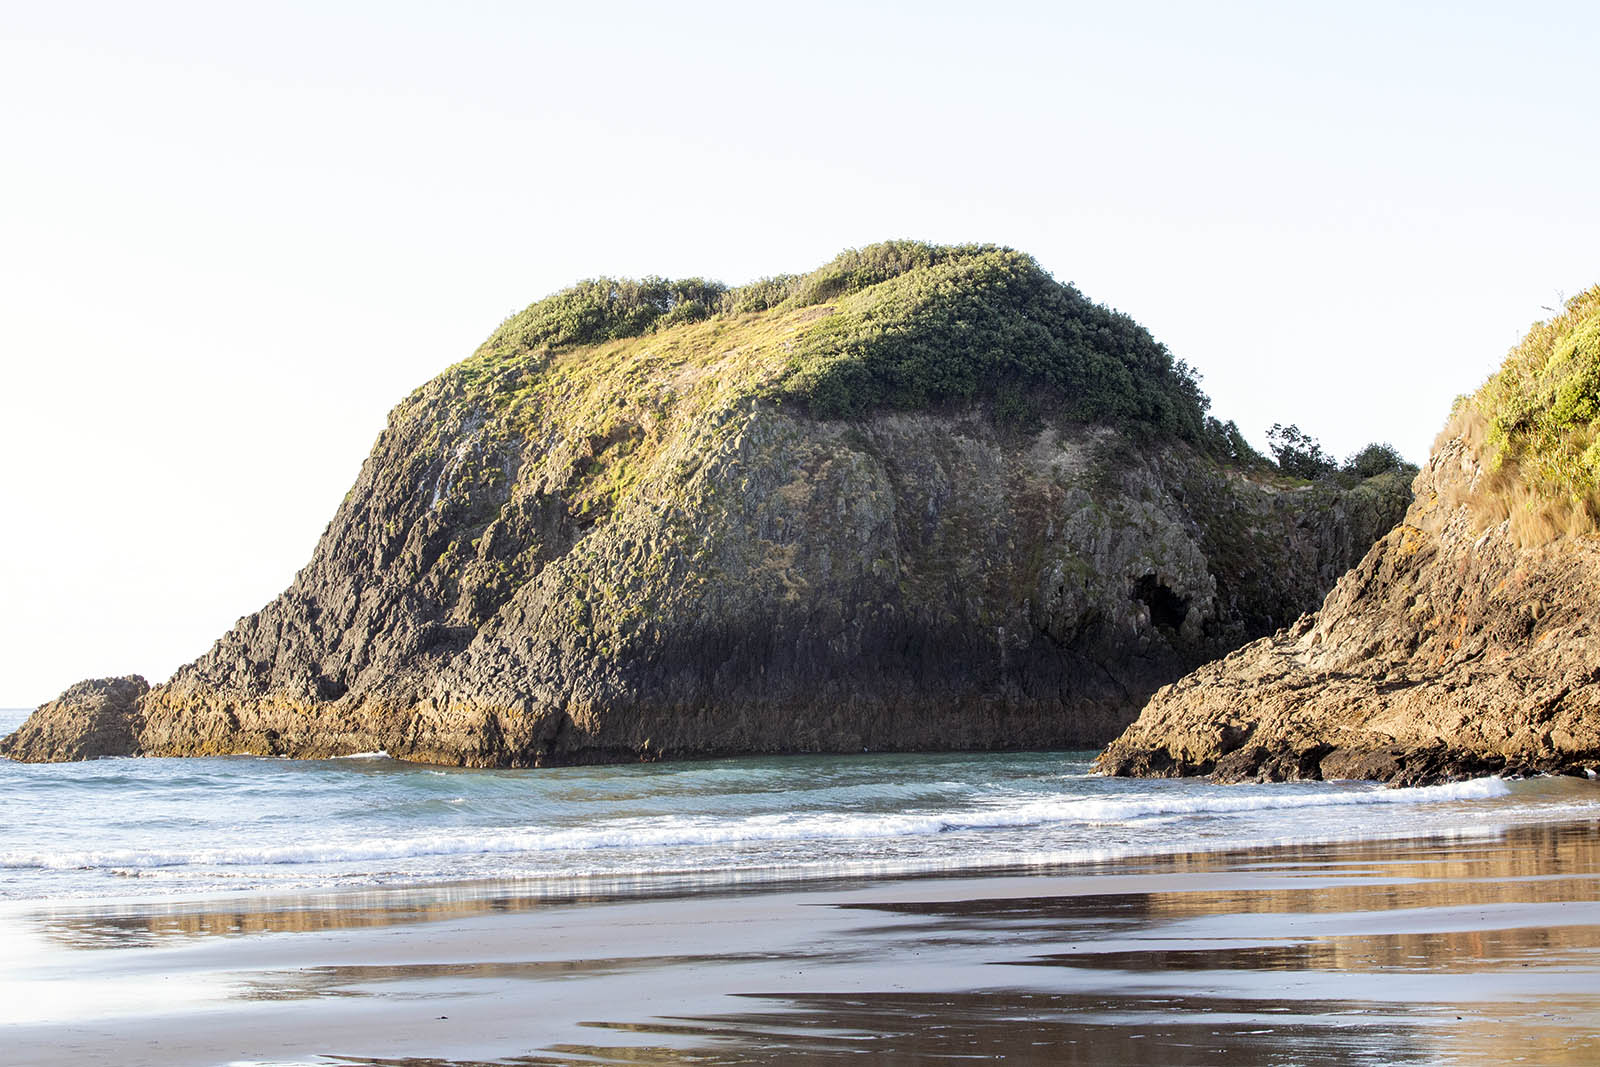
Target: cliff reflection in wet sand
[(1430, 952), (1472, 950)]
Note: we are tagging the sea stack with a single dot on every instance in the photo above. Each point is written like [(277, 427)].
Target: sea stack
[(94, 718), (921, 498), (1466, 642)]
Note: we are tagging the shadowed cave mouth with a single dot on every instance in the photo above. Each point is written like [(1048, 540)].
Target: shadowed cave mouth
[(1167, 609)]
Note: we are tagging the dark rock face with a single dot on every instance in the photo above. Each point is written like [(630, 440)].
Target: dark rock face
[(91, 719), (634, 547), (1449, 652), (775, 584)]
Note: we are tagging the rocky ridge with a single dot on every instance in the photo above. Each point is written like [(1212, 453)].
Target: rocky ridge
[(1466, 642), (639, 546)]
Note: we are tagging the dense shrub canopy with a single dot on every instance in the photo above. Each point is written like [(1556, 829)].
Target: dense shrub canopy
[(605, 309), (970, 321), (1375, 459), (856, 269), (906, 324)]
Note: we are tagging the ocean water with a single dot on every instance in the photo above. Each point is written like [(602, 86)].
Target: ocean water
[(127, 828)]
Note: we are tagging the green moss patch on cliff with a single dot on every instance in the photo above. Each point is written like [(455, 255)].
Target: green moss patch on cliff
[(1540, 418)]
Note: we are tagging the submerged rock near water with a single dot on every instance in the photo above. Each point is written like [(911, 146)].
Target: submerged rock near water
[(1466, 642), (922, 498)]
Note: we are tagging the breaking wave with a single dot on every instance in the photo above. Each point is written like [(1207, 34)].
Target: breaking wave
[(649, 834)]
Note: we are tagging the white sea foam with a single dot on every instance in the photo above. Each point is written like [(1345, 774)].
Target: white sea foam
[(670, 831)]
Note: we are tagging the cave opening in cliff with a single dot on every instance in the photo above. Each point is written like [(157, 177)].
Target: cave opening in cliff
[(1167, 609)]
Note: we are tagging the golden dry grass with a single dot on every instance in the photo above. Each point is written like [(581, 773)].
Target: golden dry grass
[(1536, 425)]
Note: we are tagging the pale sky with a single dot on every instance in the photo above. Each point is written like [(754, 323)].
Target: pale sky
[(232, 236)]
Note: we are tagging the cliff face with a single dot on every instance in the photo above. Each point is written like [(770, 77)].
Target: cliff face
[(638, 547), (1467, 641), (906, 581)]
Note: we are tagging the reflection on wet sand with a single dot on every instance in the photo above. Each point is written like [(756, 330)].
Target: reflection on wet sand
[(1478, 950), (1085, 1030), (1348, 876), (1499, 909), (1462, 952), (143, 925), (348, 981), (1074, 1029)]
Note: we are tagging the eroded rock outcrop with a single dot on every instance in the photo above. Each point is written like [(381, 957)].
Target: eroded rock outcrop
[(1466, 642), (92, 719), (655, 545)]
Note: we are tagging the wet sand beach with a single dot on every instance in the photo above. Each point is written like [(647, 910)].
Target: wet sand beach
[(1463, 950)]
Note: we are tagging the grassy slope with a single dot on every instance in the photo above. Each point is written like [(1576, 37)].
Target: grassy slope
[(614, 369), (900, 324), (1539, 416)]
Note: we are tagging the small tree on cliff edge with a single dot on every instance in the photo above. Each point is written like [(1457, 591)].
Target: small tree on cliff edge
[(1378, 459), (1298, 453)]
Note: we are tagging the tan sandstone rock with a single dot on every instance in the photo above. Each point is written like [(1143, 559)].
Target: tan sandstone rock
[(1449, 651)]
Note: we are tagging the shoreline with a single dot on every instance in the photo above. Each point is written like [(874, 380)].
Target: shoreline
[(1466, 948), (673, 883), (682, 861)]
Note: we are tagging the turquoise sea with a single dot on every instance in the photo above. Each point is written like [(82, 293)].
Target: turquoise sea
[(120, 828)]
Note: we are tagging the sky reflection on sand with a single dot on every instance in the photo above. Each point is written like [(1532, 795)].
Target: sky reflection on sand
[(1434, 951)]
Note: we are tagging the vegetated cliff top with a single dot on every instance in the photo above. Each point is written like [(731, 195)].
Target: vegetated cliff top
[(1539, 417), (1465, 642), (900, 324), (920, 498)]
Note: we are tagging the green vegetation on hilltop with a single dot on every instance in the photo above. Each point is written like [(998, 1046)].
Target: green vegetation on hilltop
[(610, 309), (970, 325), (900, 324), (1542, 410), (607, 309), (1300, 455), (856, 269)]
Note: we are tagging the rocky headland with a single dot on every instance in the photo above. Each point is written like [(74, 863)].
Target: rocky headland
[(1466, 642), (921, 498)]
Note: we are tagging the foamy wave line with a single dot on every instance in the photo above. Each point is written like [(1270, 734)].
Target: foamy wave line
[(677, 832)]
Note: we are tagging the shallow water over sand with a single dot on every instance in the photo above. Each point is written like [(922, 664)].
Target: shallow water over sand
[(131, 828)]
